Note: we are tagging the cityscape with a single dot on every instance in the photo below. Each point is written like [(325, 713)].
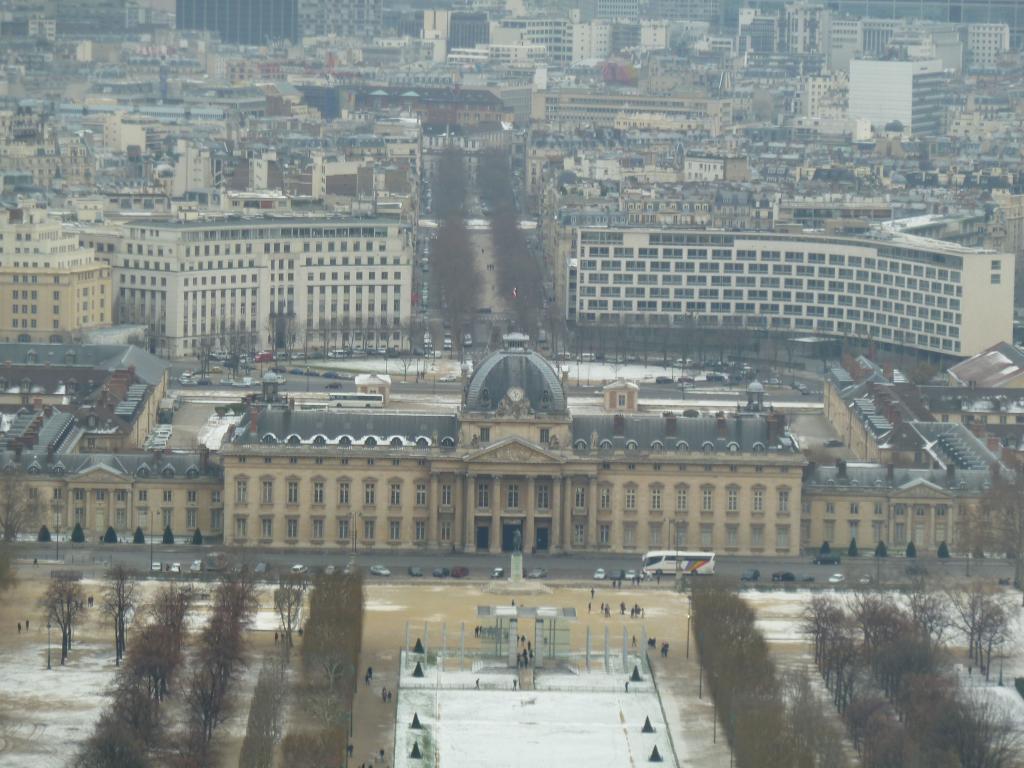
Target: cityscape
[(460, 383)]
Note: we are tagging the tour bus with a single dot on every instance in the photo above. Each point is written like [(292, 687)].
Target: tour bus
[(356, 400), (668, 562)]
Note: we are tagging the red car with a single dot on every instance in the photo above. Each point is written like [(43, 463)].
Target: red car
[(460, 572)]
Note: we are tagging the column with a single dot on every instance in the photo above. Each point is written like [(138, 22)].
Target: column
[(592, 513), (467, 502), (433, 523), (496, 507), (530, 508), (556, 513)]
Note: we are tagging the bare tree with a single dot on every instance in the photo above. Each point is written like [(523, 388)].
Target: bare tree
[(1003, 508), (265, 725), (63, 603), (118, 604), (288, 598), (7, 579), (929, 612), (20, 507), (970, 610)]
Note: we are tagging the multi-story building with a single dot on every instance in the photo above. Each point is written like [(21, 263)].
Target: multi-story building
[(513, 458), (578, 108), (344, 18), (276, 281), (888, 289), (51, 288), (243, 22), (912, 93), (986, 44)]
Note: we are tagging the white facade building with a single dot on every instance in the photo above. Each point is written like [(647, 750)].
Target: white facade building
[(264, 277), (891, 289), (986, 43), (911, 92)]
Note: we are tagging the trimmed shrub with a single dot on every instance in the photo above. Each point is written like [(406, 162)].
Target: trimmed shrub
[(78, 535), (44, 534), (168, 535), (110, 537), (139, 537)]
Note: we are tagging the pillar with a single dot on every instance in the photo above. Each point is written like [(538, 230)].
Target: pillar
[(469, 521), (513, 642), (433, 510), (496, 507), (538, 644), (591, 542), (556, 513), (530, 509)]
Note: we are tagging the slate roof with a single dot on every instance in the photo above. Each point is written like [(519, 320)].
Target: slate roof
[(861, 476), (740, 434), (501, 371), (280, 426), (138, 464), (149, 368), (994, 367)]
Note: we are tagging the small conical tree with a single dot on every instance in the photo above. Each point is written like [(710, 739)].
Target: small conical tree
[(852, 550), (168, 535), (78, 535), (139, 537), (880, 550), (943, 550), (44, 534), (911, 550), (197, 537), (825, 549), (110, 537)]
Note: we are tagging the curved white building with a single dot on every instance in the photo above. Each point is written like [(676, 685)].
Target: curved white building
[(886, 288)]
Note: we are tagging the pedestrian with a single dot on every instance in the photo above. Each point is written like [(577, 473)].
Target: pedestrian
[(19, 627), (389, 696), (591, 593), (634, 641), (369, 673), (275, 638), (382, 754), (383, 694), (659, 577), (478, 683), (26, 625), (641, 613), (588, 607), (350, 749), (627, 686), (529, 647), (515, 682)]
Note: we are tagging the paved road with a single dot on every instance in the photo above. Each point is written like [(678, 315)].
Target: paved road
[(574, 567)]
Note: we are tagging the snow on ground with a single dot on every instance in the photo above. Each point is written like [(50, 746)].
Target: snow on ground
[(213, 432), (593, 723), (55, 709)]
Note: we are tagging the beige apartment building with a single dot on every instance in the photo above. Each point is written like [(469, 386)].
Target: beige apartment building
[(559, 108), (51, 288), (274, 279)]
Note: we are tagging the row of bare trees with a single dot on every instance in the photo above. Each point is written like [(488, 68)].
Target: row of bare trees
[(883, 660), (769, 721), (331, 644), (454, 271), (519, 272), (130, 733), (21, 507)]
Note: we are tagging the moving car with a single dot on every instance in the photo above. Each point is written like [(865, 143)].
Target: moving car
[(826, 560), (537, 573), (415, 571), (448, 378), (298, 569), (440, 573), (379, 570), (498, 573), (783, 576), (836, 578), (663, 380), (460, 572), (751, 574), (599, 574)]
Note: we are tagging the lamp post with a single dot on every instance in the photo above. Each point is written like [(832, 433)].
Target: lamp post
[(56, 524), (48, 627), (687, 635), (150, 513)]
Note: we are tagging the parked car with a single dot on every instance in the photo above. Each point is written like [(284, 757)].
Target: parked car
[(196, 567), (379, 570), (415, 571), (618, 575), (806, 578), (460, 572), (827, 560), (448, 378), (332, 375), (155, 566), (833, 443), (836, 578), (864, 580), (537, 573), (498, 573), (629, 575), (663, 380), (299, 570), (783, 576), (916, 569), (751, 574), (599, 574), (175, 567), (260, 568), (440, 573), (330, 570), (334, 385)]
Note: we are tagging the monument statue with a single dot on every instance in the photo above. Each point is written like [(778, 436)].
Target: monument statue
[(517, 541)]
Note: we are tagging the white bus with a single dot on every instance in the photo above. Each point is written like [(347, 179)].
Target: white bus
[(668, 562), (356, 400)]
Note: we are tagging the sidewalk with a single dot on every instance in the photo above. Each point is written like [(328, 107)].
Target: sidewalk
[(373, 720)]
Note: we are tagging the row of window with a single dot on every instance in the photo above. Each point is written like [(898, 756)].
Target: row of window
[(163, 519), (656, 495), (142, 495), (343, 529)]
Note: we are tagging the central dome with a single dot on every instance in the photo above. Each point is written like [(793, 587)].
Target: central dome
[(521, 375)]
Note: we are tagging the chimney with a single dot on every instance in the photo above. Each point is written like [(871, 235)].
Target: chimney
[(254, 421), (950, 474), (841, 469), (670, 423), (994, 445), (721, 425), (890, 472), (810, 469), (204, 459), (619, 425), (48, 411)]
